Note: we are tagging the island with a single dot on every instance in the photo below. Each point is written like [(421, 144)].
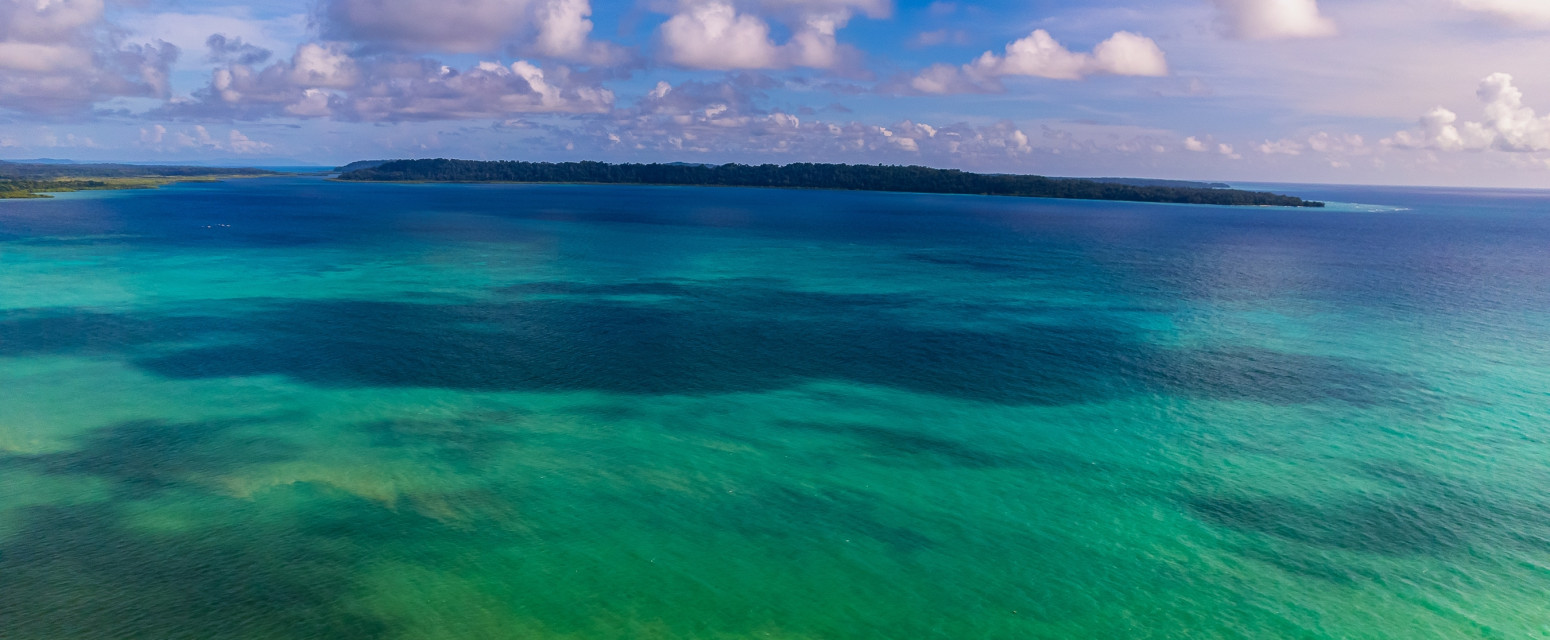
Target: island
[(38, 179), (913, 179)]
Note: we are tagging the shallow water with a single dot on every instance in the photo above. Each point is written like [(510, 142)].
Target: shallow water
[(289, 408)]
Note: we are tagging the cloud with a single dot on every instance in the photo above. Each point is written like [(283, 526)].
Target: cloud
[(239, 143), (721, 119), (224, 50), (939, 37), (1197, 145), (1508, 124), (712, 35), (554, 28), (1039, 55), (1284, 146), (1324, 142), (716, 34), (191, 32), (160, 138), (422, 90), (1522, 13), (1274, 19), (60, 56), (322, 80)]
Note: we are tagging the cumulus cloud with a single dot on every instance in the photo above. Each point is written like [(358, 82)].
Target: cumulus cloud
[(1322, 142), (713, 35), (199, 137), (1325, 142), (1039, 55), (716, 34), (1523, 13), (723, 118), (224, 50), (1274, 19), (1197, 145), (421, 90), (324, 80), (1282, 147), (59, 55), (1507, 125), (555, 28)]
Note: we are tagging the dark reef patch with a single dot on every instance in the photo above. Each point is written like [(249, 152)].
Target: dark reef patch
[(53, 331), (148, 455), (1422, 513), (690, 338), (81, 572), (739, 336), (901, 443), (469, 440)]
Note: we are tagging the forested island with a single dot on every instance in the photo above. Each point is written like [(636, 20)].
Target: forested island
[(851, 177), (36, 180)]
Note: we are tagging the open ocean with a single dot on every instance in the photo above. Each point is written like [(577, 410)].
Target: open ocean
[(289, 408)]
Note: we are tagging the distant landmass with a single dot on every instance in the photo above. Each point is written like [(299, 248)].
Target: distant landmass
[(914, 179), (1152, 182), (361, 164), (36, 179)]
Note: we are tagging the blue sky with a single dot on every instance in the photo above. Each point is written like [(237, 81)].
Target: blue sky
[(1350, 91)]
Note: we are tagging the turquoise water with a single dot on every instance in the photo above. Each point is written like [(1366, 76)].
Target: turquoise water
[(289, 408)]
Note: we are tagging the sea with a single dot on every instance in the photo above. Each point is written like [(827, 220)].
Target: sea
[(295, 408)]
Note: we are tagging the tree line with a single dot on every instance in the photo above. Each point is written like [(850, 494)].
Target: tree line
[(914, 179)]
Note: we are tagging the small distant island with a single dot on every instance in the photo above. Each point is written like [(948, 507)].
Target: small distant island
[(912, 179), (38, 179)]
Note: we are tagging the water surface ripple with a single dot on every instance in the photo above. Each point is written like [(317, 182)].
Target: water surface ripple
[(288, 408)]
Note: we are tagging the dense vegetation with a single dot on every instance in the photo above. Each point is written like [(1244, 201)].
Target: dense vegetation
[(810, 176), (31, 180), (361, 164), (1153, 182)]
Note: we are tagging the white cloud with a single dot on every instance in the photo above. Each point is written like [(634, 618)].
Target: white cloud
[(1274, 19), (1281, 147), (60, 55), (160, 138), (1324, 142), (1039, 55), (1508, 124), (324, 80), (713, 35), (716, 34), (555, 28), (1522, 13), (1197, 145), (239, 143)]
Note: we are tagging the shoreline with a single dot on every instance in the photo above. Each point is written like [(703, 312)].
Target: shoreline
[(41, 189), (336, 178)]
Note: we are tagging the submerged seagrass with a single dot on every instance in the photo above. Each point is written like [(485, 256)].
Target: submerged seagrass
[(294, 408)]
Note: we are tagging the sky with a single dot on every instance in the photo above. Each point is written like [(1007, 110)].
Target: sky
[(1414, 92)]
